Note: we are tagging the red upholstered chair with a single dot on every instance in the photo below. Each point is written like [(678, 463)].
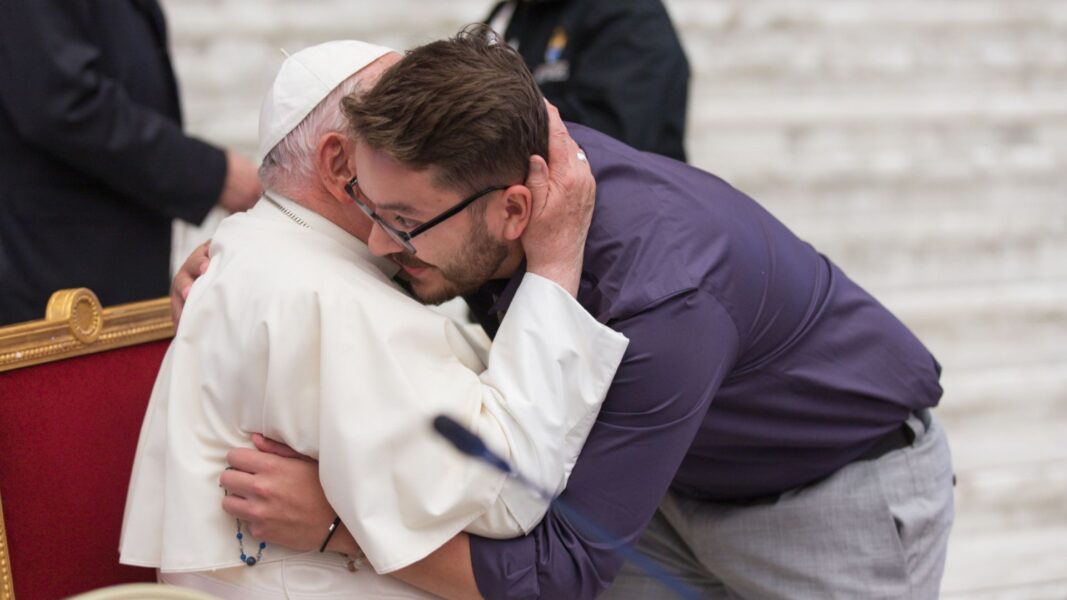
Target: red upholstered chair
[(73, 391)]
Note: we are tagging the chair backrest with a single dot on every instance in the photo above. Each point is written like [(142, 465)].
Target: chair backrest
[(73, 391)]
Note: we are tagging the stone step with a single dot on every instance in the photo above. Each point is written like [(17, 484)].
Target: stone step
[(725, 109), (959, 322), (1016, 564), (812, 69), (885, 250), (962, 59), (905, 195), (847, 46), (1011, 469), (843, 144), (798, 148), (995, 342), (204, 21), (696, 15), (936, 131), (994, 499), (210, 19), (1010, 534), (981, 391), (1011, 439), (778, 15)]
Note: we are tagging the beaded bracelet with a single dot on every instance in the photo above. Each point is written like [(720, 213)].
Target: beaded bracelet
[(329, 534)]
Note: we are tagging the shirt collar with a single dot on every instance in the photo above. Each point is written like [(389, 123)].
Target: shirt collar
[(504, 290), (326, 227)]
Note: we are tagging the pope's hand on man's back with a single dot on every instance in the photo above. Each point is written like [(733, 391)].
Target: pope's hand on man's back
[(564, 193), (193, 267)]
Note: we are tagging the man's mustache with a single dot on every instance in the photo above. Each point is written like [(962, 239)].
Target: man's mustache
[(406, 260)]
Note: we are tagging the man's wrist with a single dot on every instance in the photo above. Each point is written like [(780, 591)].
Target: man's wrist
[(329, 533), (343, 542)]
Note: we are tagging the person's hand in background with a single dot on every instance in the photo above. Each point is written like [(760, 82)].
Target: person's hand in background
[(241, 188), (193, 267)]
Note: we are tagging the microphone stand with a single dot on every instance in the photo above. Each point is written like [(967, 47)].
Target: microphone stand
[(470, 444)]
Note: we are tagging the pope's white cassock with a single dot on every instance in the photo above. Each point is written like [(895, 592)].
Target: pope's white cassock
[(296, 332)]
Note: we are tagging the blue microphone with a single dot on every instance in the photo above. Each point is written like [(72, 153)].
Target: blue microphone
[(470, 444), (466, 442)]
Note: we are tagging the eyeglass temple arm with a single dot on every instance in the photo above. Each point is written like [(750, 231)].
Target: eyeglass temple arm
[(452, 211)]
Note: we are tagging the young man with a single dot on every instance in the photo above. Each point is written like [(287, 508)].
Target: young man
[(768, 434)]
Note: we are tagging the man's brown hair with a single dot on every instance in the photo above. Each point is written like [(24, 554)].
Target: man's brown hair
[(466, 107)]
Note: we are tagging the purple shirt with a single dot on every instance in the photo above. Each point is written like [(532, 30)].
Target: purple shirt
[(755, 365)]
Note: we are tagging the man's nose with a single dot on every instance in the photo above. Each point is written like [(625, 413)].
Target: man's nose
[(381, 243)]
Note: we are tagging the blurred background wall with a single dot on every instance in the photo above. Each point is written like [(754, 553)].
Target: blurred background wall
[(921, 144)]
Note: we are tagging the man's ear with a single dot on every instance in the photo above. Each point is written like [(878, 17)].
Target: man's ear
[(510, 214), (332, 159)]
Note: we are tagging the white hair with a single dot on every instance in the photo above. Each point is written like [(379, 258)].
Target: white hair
[(289, 167)]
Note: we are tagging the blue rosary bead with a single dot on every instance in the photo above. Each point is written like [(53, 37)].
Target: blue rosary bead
[(245, 558)]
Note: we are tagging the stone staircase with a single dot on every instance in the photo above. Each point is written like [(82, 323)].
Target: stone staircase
[(921, 144)]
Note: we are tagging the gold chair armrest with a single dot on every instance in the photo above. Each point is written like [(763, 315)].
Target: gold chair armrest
[(75, 324)]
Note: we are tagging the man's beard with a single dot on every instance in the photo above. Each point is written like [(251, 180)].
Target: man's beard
[(469, 270)]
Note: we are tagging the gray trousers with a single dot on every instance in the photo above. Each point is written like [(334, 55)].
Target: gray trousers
[(874, 529)]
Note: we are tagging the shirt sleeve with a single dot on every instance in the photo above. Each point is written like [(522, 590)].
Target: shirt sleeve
[(679, 353), (388, 371), (629, 77), (61, 102)]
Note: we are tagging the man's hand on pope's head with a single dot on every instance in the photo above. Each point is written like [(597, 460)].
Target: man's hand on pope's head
[(193, 267), (276, 491), (563, 196)]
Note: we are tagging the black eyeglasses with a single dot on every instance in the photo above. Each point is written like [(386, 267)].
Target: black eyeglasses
[(404, 237)]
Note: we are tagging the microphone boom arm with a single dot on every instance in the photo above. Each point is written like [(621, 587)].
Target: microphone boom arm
[(470, 444)]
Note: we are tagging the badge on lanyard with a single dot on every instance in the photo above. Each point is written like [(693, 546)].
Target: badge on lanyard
[(554, 67)]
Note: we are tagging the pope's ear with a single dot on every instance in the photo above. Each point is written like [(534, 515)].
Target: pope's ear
[(512, 212), (332, 161)]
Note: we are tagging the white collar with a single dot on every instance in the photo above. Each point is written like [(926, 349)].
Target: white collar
[(301, 216)]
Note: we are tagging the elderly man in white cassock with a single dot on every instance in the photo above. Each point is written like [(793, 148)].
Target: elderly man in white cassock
[(298, 332)]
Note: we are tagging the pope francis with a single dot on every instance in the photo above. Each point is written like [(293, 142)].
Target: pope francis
[(298, 332)]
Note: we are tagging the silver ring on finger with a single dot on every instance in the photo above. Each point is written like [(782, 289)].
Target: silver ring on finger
[(581, 156)]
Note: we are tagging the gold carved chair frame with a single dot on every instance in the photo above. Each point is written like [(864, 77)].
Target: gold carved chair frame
[(75, 324)]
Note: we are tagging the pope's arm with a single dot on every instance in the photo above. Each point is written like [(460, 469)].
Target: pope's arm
[(386, 373)]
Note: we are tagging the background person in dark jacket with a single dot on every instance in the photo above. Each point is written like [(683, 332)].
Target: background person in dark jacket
[(614, 65), (93, 161)]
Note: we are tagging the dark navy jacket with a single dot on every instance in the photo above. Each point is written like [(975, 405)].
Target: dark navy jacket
[(93, 162), (614, 65)]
